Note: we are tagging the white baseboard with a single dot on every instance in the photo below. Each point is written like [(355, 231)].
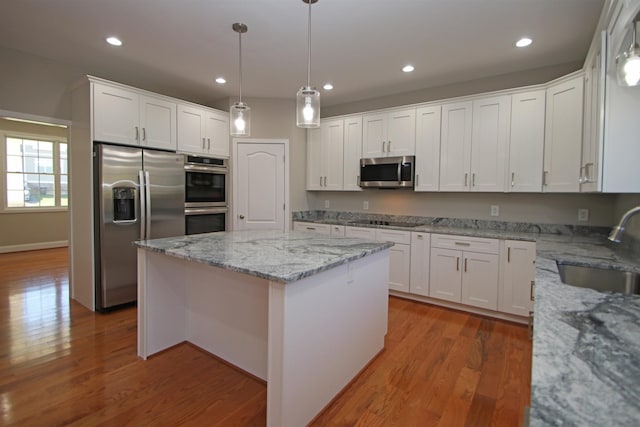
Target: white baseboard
[(33, 246)]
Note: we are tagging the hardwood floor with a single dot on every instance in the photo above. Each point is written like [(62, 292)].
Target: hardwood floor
[(61, 364)]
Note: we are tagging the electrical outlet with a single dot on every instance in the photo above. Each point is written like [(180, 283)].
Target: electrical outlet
[(365, 205), (583, 214), (495, 210), (326, 204)]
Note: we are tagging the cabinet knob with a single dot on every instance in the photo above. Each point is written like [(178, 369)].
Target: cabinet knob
[(241, 216)]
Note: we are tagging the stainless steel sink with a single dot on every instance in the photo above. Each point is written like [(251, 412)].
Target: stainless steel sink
[(600, 279)]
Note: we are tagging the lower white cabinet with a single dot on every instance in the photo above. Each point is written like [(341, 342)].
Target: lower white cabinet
[(399, 257), (312, 227), (420, 262), (337, 230), (468, 276), (519, 273)]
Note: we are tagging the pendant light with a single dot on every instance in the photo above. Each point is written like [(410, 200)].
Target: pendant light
[(308, 98), (240, 113), (629, 62)]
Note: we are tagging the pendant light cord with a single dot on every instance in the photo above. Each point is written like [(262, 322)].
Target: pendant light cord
[(309, 49), (240, 61)]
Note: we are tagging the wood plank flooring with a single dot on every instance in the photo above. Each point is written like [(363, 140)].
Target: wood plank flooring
[(61, 364)]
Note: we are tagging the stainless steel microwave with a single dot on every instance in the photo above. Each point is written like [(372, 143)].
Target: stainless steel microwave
[(387, 172)]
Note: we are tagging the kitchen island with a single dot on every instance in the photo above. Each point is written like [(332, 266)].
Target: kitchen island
[(303, 312)]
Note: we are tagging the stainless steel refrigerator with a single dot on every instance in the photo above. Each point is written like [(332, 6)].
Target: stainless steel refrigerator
[(138, 194)]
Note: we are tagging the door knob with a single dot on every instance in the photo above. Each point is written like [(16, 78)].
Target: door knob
[(241, 216)]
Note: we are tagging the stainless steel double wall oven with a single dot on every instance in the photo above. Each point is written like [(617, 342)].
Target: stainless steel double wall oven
[(206, 194)]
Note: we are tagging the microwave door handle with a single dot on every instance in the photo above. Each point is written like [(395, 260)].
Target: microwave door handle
[(399, 172)]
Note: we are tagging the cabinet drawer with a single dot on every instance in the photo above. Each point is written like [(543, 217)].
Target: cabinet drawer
[(311, 227), (394, 236), (337, 230), (361, 232), (464, 243)]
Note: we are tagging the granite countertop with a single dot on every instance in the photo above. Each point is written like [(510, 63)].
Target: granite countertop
[(273, 255), (586, 344)]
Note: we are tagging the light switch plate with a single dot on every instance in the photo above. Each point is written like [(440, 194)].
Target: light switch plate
[(365, 205), (583, 214), (495, 210), (326, 204)]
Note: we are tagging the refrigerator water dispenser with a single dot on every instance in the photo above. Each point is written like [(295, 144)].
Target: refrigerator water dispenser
[(124, 208)]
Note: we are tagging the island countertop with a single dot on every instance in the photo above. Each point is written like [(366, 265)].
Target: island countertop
[(283, 257)]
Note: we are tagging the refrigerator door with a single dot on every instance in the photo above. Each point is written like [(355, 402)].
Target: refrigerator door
[(165, 189), (117, 223)]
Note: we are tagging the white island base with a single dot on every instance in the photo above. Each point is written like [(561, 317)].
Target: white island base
[(307, 339)]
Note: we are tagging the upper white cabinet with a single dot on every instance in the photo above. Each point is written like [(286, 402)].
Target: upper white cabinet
[(526, 144), (489, 143), (352, 153), (455, 147), (427, 166), (203, 131), (125, 116), (518, 276), (391, 133), (563, 136)]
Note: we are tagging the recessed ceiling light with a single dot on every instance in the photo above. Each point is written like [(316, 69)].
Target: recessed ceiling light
[(408, 68), (327, 86), (221, 80), (114, 41), (523, 42)]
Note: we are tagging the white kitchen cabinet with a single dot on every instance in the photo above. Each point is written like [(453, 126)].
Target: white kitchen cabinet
[(312, 227), (526, 144), (325, 156), (360, 232), (518, 276), (314, 159), (352, 153), (427, 165), (563, 135), (455, 147), (390, 133), (128, 117), (419, 269), (489, 135), (468, 276), (203, 131), (399, 257)]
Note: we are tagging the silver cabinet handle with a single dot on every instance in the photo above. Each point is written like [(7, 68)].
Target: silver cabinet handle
[(544, 177), (588, 176), (203, 143), (208, 143), (241, 216), (473, 179), (531, 292), (462, 244), (466, 175), (513, 179), (457, 263), (465, 264), (383, 146), (388, 146), (325, 181), (137, 133), (320, 181), (310, 228), (583, 175), (144, 134), (509, 254), (419, 236)]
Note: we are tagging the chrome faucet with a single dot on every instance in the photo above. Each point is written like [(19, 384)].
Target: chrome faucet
[(617, 231)]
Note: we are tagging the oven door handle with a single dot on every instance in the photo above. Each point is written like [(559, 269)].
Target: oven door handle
[(206, 169), (204, 211)]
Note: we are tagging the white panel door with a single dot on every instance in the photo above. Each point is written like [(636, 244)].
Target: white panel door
[(401, 133), (455, 148), (563, 137), (158, 123), (445, 277), (260, 187), (489, 143), (191, 128), (115, 115), (480, 280), (526, 144), (427, 148), (352, 153)]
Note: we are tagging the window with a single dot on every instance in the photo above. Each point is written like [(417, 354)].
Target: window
[(37, 173)]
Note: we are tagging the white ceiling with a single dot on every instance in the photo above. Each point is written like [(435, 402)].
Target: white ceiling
[(178, 47)]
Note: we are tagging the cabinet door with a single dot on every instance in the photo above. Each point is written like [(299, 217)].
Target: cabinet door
[(310, 227), (480, 280), (191, 128), (361, 232), (217, 134), (115, 115), (337, 230), (420, 251), (352, 153), (427, 166), (455, 148), (332, 135), (399, 262), (563, 136), (158, 123), (489, 143), (374, 135), (314, 159), (519, 272), (526, 145), (445, 276), (401, 133)]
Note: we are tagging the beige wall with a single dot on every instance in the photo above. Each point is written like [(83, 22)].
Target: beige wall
[(28, 228), (539, 208), (505, 81)]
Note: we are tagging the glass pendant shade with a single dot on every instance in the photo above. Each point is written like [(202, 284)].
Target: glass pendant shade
[(240, 119), (308, 108), (628, 63)]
